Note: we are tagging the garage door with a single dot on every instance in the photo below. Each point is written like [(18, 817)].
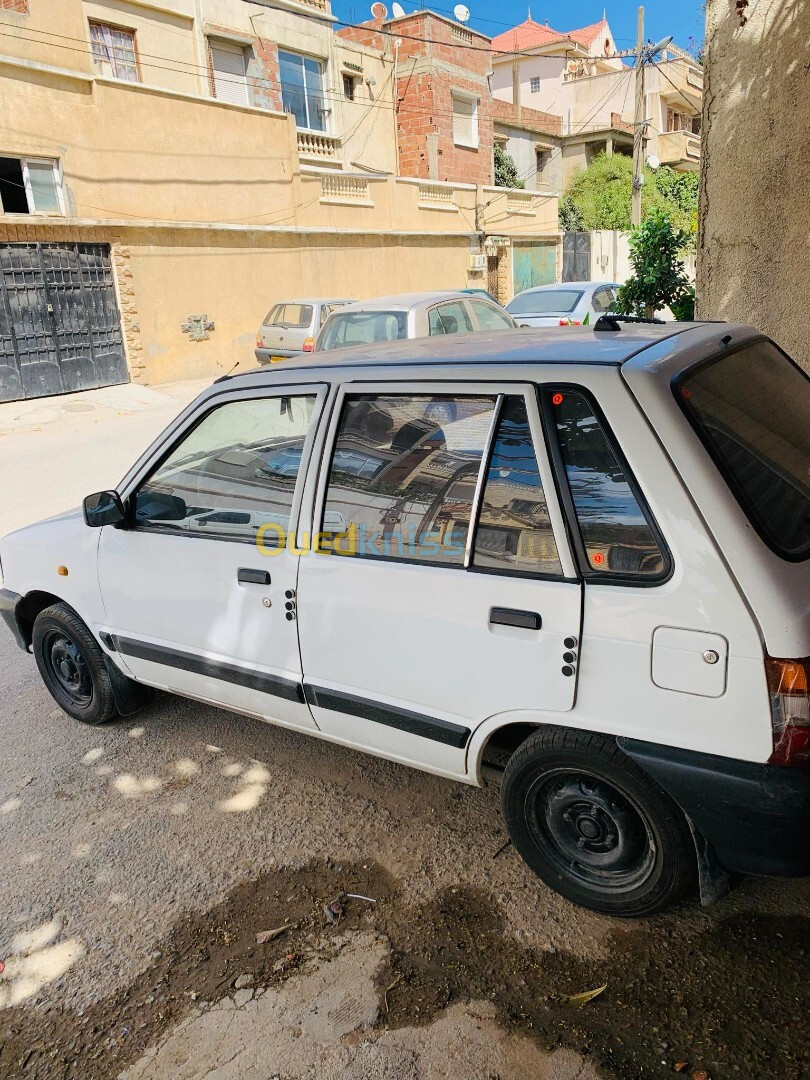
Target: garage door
[(534, 264), (60, 329)]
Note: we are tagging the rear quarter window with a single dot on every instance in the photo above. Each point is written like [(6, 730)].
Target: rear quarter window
[(751, 409)]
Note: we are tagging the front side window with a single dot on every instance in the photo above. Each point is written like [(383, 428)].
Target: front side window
[(617, 537), (234, 473), (514, 530), (452, 318), (363, 328), (30, 186), (491, 318), (752, 409), (302, 89), (289, 316), (114, 51), (403, 476)]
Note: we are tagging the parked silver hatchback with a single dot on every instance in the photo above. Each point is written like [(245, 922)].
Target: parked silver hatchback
[(411, 315), (291, 327)]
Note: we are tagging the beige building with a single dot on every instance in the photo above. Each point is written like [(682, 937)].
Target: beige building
[(581, 76), (171, 168), (753, 262)]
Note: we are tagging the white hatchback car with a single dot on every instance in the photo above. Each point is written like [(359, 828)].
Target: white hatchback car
[(579, 560)]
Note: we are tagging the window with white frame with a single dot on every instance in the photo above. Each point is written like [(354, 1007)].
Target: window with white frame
[(302, 89), (465, 120), (30, 186), (114, 51), (229, 72), (534, 84)]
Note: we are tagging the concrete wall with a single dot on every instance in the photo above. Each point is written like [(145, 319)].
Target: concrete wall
[(753, 262)]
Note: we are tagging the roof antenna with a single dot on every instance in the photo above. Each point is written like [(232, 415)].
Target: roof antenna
[(529, 13)]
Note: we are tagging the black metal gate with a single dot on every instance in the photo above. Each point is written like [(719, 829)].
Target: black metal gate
[(576, 256), (60, 329)]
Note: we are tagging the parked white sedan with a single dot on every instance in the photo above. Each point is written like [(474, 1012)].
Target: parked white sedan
[(574, 303)]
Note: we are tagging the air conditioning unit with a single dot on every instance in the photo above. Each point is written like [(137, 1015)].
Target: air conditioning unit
[(478, 263)]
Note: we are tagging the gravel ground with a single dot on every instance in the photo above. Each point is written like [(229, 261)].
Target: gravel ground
[(133, 888)]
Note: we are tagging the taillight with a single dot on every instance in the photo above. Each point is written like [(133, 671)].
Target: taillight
[(309, 344), (790, 710), (259, 343), (570, 322)]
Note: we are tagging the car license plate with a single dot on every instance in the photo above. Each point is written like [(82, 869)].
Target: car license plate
[(277, 359)]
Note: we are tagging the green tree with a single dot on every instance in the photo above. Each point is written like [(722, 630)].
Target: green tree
[(506, 174), (600, 197), (658, 279)]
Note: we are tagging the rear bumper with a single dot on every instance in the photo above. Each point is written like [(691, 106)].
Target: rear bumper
[(9, 602), (263, 355), (756, 817)]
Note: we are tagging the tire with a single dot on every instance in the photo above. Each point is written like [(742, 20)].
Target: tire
[(72, 665), (594, 826)]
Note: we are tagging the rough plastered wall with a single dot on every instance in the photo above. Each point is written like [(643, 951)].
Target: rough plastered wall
[(754, 247)]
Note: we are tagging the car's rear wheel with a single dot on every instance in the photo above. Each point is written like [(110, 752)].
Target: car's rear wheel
[(71, 664), (594, 826)]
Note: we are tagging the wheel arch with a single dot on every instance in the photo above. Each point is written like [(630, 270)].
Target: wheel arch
[(31, 605)]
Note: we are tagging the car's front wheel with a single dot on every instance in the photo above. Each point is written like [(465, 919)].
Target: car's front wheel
[(594, 826), (72, 665)]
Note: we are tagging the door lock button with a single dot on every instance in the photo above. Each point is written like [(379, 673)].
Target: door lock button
[(711, 657), (267, 601)]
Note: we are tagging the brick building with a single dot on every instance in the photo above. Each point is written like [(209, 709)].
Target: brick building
[(443, 97)]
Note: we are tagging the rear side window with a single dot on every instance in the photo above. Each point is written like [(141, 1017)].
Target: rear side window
[(752, 410), (451, 318), (363, 328), (617, 536), (289, 316)]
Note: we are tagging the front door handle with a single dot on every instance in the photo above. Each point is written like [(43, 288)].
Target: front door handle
[(246, 576), (504, 616)]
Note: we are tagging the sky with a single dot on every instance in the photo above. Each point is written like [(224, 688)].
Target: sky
[(662, 17)]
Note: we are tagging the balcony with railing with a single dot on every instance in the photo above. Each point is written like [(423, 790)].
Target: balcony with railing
[(317, 146), (680, 82), (680, 149)]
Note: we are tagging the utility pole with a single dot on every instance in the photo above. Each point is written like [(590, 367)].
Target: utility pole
[(638, 123)]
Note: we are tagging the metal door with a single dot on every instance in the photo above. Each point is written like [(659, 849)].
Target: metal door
[(534, 264), (60, 328), (576, 256)]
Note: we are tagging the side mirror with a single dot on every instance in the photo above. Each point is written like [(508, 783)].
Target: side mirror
[(103, 508), (335, 522)]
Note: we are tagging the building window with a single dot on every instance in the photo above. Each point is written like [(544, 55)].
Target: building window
[(543, 158), (465, 121), (30, 186), (229, 72), (349, 84), (534, 84), (114, 52), (302, 90)]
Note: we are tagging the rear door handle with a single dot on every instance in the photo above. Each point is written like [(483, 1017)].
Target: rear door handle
[(504, 616), (246, 576)]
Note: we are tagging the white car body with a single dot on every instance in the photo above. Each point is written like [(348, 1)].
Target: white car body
[(402, 659), (571, 303)]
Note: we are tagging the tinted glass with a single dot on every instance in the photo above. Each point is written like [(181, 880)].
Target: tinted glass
[(234, 473), (514, 529), (490, 318), (290, 316), (547, 301), (615, 533), (753, 409), (363, 328), (403, 475), (452, 318)]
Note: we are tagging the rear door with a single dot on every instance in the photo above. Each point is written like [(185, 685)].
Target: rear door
[(450, 594)]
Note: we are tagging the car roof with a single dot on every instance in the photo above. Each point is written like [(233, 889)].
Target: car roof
[(404, 301), (315, 300), (560, 285)]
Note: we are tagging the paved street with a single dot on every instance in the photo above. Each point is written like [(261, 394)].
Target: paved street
[(140, 861)]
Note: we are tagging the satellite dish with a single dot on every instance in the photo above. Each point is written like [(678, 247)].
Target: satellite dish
[(397, 10), (461, 12), (572, 67), (653, 161), (378, 10)]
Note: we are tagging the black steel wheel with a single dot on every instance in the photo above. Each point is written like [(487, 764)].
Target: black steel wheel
[(72, 667), (594, 826)]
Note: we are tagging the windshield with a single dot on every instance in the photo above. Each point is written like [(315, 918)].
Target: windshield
[(545, 302), (289, 316), (363, 328), (752, 410)]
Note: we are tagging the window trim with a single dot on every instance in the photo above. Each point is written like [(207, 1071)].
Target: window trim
[(121, 29), (545, 464), (475, 101), (589, 575), (56, 166), (135, 480), (730, 481)]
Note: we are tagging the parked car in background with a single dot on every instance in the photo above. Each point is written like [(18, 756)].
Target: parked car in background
[(573, 303), (410, 315), (291, 327)]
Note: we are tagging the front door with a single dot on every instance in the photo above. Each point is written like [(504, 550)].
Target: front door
[(449, 594), (200, 590)]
